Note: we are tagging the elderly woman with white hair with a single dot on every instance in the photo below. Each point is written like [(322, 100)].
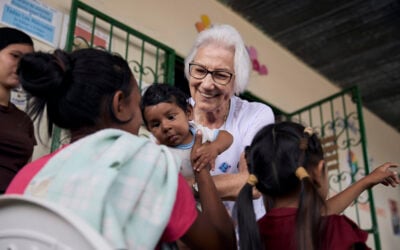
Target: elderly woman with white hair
[(218, 69)]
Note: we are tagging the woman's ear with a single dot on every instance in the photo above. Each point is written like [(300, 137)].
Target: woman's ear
[(120, 107)]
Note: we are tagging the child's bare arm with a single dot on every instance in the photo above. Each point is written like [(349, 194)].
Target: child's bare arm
[(382, 174), (220, 144), (208, 152), (223, 141)]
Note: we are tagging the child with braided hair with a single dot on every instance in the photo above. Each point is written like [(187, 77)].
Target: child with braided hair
[(286, 164)]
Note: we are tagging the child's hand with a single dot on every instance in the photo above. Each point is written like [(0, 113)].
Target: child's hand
[(197, 161), (385, 174), (206, 155)]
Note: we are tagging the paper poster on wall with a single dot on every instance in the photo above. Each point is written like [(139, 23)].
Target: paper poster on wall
[(83, 33), (35, 18)]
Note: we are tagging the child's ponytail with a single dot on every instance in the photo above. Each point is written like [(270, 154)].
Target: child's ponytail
[(311, 204), (308, 219), (248, 230)]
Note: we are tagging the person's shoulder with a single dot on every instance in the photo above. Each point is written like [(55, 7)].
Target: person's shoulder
[(341, 220), (18, 112), (243, 104), (26, 174), (343, 228), (248, 112), (13, 108)]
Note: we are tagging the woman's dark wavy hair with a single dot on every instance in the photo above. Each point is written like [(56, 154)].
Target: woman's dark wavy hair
[(163, 93), (273, 157), (77, 88)]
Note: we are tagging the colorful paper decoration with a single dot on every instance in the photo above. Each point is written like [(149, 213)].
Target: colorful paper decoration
[(205, 23), (352, 160), (261, 69), (206, 20)]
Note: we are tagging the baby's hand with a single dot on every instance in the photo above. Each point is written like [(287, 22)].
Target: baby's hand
[(206, 155), (386, 174), (203, 155), (195, 157)]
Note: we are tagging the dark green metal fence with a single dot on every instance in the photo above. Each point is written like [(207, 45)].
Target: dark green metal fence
[(340, 117)]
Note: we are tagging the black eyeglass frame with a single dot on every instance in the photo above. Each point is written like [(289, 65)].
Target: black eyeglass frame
[(211, 73)]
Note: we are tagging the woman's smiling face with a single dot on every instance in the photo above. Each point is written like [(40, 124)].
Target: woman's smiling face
[(208, 95)]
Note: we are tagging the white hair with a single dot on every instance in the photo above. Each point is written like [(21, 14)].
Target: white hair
[(228, 37)]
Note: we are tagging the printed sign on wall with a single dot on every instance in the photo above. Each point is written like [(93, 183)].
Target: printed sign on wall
[(35, 18)]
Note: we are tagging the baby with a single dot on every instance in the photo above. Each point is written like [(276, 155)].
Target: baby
[(167, 115)]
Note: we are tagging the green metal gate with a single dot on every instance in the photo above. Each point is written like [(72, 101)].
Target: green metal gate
[(340, 117), (150, 60)]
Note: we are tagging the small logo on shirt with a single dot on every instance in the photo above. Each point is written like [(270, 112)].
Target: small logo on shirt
[(224, 167)]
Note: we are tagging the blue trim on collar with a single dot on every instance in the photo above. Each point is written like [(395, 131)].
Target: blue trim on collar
[(190, 144)]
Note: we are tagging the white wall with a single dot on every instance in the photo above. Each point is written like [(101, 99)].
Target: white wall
[(289, 85)]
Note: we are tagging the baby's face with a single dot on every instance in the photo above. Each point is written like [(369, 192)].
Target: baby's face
[(168, 123)]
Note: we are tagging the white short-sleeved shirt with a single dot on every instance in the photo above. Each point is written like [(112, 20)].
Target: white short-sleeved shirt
[(244, 120)]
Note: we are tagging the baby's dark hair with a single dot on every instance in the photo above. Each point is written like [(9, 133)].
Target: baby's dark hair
[(276, 152), (76, 87), (163, 93)]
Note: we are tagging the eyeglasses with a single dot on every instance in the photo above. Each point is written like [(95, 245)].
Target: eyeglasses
[(219, 76)]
